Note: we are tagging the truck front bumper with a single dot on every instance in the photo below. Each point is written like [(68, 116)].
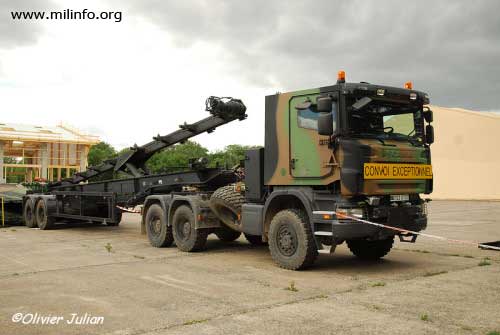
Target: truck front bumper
[(327, 223)]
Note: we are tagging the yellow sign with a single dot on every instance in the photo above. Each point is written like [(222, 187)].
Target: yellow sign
[(397, 171)]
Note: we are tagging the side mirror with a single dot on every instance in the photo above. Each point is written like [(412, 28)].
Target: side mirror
[(428, 115), (325, 123), (324, 104), (429, 134)]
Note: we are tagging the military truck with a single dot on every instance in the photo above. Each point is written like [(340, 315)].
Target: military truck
[(332, 155)]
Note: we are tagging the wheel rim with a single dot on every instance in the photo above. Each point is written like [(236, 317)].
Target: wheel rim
[(184, 229), (40, 214), (155, 225), (286, 240)]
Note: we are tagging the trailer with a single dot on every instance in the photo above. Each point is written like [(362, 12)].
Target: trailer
[(349, 150)]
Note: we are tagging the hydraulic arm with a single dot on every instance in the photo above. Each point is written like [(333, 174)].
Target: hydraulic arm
[(223, 110)]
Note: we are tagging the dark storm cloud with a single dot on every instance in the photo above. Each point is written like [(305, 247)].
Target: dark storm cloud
[(20, 32), (449, 48)]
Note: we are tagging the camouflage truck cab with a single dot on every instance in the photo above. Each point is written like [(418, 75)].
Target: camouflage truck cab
[(354, 148)]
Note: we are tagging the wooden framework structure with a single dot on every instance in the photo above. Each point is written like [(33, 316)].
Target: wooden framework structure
[(47, 153)]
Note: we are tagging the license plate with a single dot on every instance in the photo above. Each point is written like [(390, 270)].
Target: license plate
[(397, 171), (400, 197)]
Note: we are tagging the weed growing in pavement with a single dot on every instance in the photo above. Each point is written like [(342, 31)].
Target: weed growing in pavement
[(484, 262), (108, 247), (192, 322), (292, 287), (378, 284), (424, 317)]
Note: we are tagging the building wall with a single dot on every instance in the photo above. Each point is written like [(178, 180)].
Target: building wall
[(466, 154)]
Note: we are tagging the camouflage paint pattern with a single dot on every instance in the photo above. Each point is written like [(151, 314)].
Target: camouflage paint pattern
[(299, 156)]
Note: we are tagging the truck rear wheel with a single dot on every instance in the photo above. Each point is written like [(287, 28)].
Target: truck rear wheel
[(226, 234), (255, 239), (226, 203), (370, 250), (186, 236), (159, 233), (42, 218), (291, 241), (28, 214)]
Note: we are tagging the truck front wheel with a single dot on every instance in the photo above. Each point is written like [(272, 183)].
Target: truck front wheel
[(186, 236), (291, 241), (370, 250), (159, 233)]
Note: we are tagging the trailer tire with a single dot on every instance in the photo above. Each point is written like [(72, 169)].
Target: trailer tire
[(291, 241), (255, 239), (29, 214), (42, 218), (186, 236), (118, 216), (226, 204), (158, 231), (370, 250), (226, 234)]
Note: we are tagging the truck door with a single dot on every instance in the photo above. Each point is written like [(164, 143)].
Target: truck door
[(310, 156)]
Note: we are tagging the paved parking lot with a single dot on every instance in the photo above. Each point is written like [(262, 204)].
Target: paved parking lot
[(429, 287)]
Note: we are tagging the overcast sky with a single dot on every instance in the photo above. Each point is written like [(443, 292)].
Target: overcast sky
[(127, 81)]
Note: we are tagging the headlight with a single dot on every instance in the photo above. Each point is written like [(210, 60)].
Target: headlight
[(354, 212)]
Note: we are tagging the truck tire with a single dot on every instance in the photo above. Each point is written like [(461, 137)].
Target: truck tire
[(370, 250), (118, 216), (29, 215), (255, 239), (186, 236), (291, 241), (42, 218), (159, 233), (226, 203), (226, 234)]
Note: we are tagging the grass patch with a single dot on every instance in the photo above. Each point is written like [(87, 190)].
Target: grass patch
[(494, 333), (193, 322), (378, 284), (108, 247), (424, 317), (484, 262), (434, 273), (292, 287)]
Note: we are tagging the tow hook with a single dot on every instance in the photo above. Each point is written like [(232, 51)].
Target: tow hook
[(408, 237)]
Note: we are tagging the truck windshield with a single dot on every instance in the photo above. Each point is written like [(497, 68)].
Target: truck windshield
[(387, 120)]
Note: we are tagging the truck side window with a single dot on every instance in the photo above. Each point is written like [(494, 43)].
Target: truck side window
[(308, 118)]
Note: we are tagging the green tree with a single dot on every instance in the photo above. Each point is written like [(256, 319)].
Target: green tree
[(100, 152), (176, 158), (230, 156)]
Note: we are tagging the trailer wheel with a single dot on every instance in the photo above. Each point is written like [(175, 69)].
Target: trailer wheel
[(186, 236), (226, 234), (291, 241), (118, 216), (28, 214), (255, 239), (159, 233), (370, 250), (226, 203), (42, 218)]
